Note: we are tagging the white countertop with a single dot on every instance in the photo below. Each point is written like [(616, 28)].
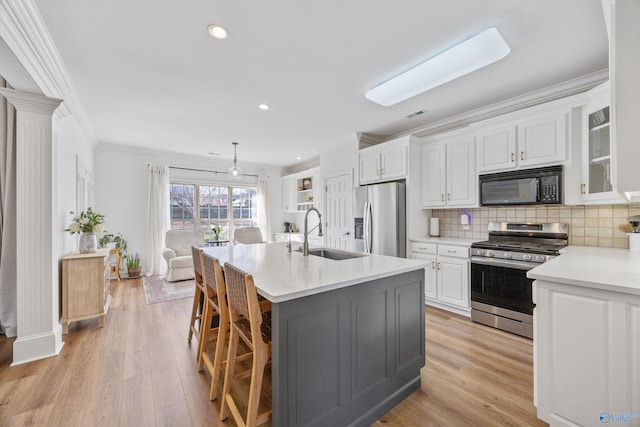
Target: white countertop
[(445, 240), (610, 269), (282, 276)]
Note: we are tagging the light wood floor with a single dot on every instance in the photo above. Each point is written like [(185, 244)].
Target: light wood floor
[(139, 371)]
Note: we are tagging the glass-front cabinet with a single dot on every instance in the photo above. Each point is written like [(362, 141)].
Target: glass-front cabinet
[(597, 185), (599, 152)]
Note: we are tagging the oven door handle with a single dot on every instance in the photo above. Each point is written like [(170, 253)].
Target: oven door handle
[(519, 265)]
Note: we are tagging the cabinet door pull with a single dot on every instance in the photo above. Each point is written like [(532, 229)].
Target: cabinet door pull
[(522, 155), (442, 196), (449, 196), (583, 188), (433, 265), (513, 157)]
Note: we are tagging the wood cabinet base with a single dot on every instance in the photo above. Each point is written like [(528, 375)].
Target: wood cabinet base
[(85, 287)]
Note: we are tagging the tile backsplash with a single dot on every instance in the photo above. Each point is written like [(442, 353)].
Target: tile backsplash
[(601, 225)]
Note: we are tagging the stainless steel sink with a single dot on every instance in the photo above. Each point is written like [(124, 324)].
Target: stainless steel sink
[(333, 254)]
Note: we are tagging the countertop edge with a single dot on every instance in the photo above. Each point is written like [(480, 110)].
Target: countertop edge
[(331, 287), (582, 266)]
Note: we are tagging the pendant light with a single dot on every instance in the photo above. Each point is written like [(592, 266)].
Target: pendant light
[(235, 172)]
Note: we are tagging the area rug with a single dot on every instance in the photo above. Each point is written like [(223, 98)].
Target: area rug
[(157, 289)]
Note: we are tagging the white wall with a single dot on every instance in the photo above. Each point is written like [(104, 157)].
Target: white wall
[(121, 184), (69, 143), (340, 157)]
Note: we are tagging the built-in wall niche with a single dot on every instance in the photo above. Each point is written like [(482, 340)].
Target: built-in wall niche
[(304, 193)]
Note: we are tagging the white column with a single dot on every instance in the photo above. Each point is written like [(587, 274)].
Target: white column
[(39, 329)]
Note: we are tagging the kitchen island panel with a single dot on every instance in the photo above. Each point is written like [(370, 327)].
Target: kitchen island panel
[(347, 356)]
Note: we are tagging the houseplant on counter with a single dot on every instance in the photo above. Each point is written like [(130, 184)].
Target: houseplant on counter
[(86, 223), (133, 265)]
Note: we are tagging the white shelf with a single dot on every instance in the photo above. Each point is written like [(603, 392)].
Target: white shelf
[(602, 126), (602, 159)]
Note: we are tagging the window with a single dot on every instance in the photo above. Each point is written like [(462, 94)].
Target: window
[(203, 207)]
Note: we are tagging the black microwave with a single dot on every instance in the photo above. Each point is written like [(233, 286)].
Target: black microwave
[(540, 186)]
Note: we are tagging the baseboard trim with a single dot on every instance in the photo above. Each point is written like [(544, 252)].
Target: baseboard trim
[(36, 347)]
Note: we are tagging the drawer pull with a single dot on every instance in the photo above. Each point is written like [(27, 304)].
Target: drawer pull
[(452, 251)]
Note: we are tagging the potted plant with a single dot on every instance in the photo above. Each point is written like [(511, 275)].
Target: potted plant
[(216, 229), (116, 241), (133, 264), (86, 223)]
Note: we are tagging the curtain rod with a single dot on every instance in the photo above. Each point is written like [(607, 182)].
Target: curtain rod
[(205, 170)]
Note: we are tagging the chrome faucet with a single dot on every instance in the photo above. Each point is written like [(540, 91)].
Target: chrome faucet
[(305, 245)]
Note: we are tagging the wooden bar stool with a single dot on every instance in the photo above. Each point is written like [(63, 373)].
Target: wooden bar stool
[(215, 305), (196, 253), (252, 324)]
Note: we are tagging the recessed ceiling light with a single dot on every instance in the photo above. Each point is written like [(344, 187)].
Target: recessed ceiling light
[(298, 158), (217, 31), (264, 106)]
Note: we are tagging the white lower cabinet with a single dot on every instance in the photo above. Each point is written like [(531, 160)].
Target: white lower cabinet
[(586, 355), (446, 275)]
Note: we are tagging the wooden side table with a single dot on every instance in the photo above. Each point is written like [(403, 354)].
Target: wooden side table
[(85, 287)]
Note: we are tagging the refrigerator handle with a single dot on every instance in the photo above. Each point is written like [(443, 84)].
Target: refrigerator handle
[(368, 228), (365, 226)]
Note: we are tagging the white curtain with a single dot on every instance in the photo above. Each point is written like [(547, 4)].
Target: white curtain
[(264, 222), (8, 262), (157, 218)]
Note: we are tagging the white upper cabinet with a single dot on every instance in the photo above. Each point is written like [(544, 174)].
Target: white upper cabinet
[(448, 173), (384, 162), (496, 148), (289, 194), (461, 172), (535, 141), (542, 140), (434, 185)]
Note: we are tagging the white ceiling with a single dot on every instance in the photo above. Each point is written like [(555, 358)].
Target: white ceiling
[(149, 75)]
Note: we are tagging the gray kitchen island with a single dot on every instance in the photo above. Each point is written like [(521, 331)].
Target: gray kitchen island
[(348, 335)]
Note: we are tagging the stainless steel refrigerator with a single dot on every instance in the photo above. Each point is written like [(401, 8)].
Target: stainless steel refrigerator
[(380, 219)]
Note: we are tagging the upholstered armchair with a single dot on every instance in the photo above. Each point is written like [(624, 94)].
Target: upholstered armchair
[(247, 235), (178, 253)]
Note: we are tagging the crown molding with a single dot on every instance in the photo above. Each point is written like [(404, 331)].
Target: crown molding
[(25, 33), (178, 157), (531, 99), (31, 101)]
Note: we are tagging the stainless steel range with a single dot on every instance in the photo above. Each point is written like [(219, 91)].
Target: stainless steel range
[(501, 294)]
